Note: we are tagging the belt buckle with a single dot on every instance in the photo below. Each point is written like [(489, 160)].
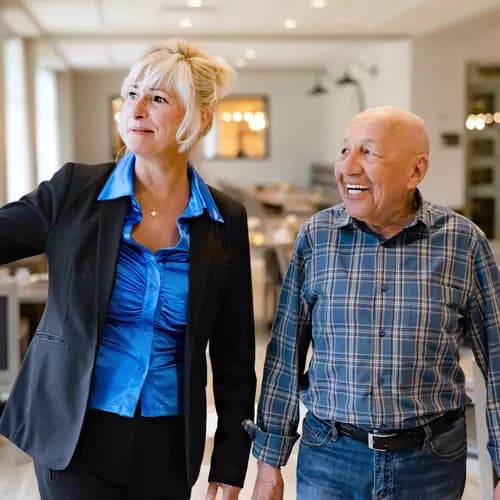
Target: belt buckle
[(371, 440)]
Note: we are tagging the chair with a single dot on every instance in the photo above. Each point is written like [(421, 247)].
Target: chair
[(9, 335)]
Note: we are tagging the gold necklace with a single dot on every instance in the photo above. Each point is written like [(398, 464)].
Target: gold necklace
[(153, 212)]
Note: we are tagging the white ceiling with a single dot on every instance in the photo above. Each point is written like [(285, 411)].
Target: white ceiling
[(90, 34)]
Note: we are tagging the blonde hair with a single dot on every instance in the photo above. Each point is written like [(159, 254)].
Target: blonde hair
[(197, 80)]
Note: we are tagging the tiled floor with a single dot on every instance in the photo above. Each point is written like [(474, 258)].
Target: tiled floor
[(17, 480)]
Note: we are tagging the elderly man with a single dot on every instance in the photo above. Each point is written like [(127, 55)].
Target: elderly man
[(385, 288)]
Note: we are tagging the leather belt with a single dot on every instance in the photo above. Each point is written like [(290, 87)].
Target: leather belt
[(399, 440)]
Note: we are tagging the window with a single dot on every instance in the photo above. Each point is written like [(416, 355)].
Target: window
[(47, 130), (18, 150)]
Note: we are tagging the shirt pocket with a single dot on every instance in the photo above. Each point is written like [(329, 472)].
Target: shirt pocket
[(435, 307), (50, 338)]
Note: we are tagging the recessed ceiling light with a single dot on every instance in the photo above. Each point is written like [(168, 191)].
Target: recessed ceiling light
[(185, 23), (194, 3), (250, 54), (318, 4), (290, 24)]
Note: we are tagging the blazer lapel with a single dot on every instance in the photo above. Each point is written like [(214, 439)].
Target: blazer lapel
[(198, 274), (208, 249), (111, 218)]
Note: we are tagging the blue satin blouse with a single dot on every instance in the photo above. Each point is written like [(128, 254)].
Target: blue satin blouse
[(141, 351)]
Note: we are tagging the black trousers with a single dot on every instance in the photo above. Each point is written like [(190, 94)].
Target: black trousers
[(120, 458)]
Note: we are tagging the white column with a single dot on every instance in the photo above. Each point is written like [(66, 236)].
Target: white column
[(3, 161), (19, 148)]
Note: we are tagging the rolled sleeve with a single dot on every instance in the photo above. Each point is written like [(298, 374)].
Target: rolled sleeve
[(275, 432), (484, 327), (273, 449), (495, 457)]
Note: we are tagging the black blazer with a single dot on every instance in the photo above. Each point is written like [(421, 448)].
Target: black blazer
[(81, 238)]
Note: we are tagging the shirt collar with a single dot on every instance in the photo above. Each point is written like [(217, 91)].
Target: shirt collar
[(422, 214), (121, 183), (201, 199)]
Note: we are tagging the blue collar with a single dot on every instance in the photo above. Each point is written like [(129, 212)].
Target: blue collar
[(121, 183)]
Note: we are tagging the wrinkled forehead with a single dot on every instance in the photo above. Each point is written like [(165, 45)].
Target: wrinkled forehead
[(368, 129)]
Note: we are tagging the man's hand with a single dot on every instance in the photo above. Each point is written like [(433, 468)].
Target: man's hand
[(269, 483), (496, 492), (229, 492)]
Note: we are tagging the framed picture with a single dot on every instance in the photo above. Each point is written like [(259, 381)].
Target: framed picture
[(240, 129), (117, 145)]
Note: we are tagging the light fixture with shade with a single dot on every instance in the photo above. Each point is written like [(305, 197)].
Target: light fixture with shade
[(346, 80), (318, 88)]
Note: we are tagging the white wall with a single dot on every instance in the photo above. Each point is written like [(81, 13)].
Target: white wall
[(294, 133), (390, 86), (3, 157), (439, 96), (18, 147)]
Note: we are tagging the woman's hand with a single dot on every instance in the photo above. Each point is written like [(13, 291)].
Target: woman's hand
[(229, 492)]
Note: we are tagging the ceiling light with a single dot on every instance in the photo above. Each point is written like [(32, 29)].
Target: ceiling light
[(185, 23), (346, 79), (250, 54), (290, 24), (318, 4), (318, 89), (194, 3)]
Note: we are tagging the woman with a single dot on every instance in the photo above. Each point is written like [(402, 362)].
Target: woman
[(147, 264)]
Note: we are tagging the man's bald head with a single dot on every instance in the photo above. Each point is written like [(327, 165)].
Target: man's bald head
[(404, 126)]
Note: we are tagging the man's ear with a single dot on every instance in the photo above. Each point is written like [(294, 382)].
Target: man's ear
[(420, 167)]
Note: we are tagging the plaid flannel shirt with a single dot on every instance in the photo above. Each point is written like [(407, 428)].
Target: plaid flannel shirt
[(386, 319)]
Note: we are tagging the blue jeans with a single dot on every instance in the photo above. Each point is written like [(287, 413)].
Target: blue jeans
[(338, 467)]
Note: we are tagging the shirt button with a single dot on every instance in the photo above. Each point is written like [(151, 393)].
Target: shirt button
[(384, 288), (382, 333), (380, 381)]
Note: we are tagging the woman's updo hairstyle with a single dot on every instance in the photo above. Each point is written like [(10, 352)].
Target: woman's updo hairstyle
[(197, 80)]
